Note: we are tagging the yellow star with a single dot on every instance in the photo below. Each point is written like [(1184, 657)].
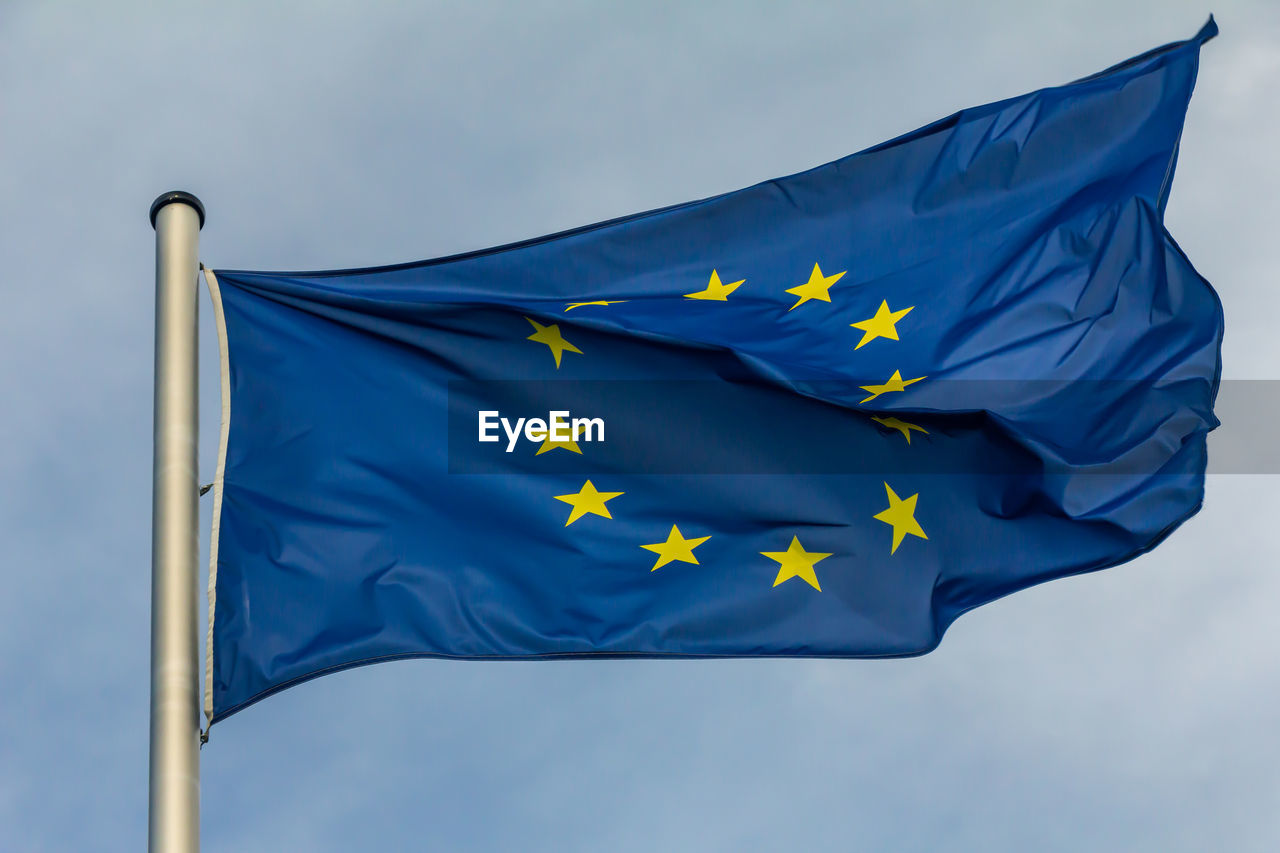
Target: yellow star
[(675, 548), (796, 562), (567, 444), (550, 335), (588, 500), (901, 514), (716, 290), (816, 287), (895, 383), (573, 305), (901, 426), (881, 325)]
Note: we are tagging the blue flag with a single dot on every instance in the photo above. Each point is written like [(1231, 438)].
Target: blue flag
[(821, 416)]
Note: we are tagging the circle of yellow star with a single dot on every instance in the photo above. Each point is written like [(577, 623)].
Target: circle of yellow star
[(881, 325), (796, 562), (716, 290), (675, 548), (817, 287), (550, 335), (588, 500), (901, 515)]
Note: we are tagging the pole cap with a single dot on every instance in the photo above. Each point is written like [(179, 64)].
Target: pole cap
[(176, 196)]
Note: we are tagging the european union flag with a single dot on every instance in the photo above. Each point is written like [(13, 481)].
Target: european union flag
[(822, 416)]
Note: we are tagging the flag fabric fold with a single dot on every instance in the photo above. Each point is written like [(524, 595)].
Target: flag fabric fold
[(821, 416)]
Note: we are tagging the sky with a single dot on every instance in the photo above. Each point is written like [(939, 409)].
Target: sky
[(1131, 709)]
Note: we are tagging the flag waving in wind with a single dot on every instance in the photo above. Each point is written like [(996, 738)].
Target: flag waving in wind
[(821, 416)]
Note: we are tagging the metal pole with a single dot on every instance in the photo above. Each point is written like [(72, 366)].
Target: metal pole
[(174, 795)]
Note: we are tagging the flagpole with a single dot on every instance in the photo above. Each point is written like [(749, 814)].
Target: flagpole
[(174, 794)]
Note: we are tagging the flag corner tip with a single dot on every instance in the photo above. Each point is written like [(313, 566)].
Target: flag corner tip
[(1208, 31)]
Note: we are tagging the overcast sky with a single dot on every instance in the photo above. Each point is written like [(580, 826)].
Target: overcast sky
[(1133, 709)]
